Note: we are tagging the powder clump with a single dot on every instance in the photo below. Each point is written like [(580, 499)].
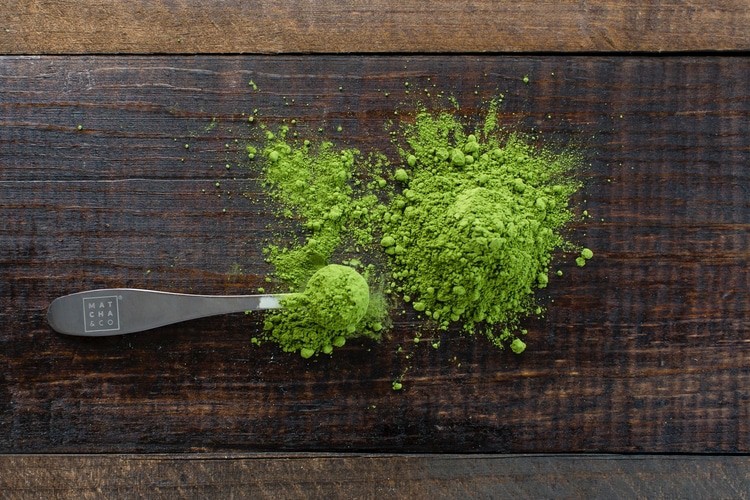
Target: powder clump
[(339, 297), (330, 309)]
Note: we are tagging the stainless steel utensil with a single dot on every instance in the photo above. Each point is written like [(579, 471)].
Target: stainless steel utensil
[(116, 311)]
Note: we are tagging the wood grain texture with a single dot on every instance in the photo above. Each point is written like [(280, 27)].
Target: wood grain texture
[(336, 26), (646, 349), (373, 476)]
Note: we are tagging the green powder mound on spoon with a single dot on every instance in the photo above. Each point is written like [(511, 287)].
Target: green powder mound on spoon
[(339, 297), (332, 308)]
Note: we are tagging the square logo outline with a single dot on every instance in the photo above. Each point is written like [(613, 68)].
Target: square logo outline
[(116, 308)]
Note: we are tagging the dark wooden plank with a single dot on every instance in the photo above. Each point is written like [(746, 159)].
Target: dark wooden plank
[(644, 350), (372, 476), (276, 26)]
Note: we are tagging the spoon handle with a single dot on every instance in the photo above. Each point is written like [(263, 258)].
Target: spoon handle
[(116, 311)]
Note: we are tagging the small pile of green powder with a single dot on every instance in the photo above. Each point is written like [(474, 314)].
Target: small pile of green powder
[(314, 185), (339, 296), (330, 309), (471, 234)]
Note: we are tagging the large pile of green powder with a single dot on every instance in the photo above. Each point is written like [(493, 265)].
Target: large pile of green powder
[(327, 312), (472, 233)]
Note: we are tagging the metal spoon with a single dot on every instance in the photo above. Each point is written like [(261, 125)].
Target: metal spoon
[(116, 311)]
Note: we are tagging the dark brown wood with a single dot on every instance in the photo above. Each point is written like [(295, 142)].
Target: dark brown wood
[(646, 349), (370, 476), (277, 26)]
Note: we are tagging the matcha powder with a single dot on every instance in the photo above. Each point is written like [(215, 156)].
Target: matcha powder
[(463, 229), (471, 234), (329, 310), (315, 186)]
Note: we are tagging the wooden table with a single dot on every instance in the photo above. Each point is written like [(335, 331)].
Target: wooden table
[(116, 123)]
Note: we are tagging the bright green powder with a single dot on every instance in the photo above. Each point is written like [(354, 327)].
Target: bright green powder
[(315, 186), (332, 308), (339, 296), (472, 233), (468, 226)]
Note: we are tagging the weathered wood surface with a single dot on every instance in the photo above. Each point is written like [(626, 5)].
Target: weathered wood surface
[(373, 476), (646, 349), (336, 26)]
